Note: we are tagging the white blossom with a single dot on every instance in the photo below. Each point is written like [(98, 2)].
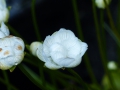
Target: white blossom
[(4, 31), (112, 65), (61, 49), (4, 13), (11, 51), (101, 3)]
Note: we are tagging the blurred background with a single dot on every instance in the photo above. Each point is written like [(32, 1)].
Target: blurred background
[(51, 16)]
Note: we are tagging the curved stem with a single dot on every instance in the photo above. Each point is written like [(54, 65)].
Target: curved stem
[(86, 87), (11, 86)]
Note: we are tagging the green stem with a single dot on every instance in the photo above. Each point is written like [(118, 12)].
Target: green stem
[(32, 76), (86, 87), (79, 30), (42, 75), (11, 86), (118, 24), (7, 80), (35, 20), (111, 21), (102, 51), (102, 29)]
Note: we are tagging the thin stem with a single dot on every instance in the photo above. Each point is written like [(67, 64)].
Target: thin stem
[(86, 87), (79, 30), (102, 51), (102, 29), (11, 86), (118, 22), (111, 21), (7, 80), (42, 75), (35, 20)]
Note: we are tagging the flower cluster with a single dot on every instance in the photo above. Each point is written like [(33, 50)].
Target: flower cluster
[(60, 50)]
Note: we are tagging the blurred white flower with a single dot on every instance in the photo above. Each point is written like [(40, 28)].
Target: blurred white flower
[(61, 49), (101, 4), (4, 13), (112, 65), (11, 52), (4, 31)]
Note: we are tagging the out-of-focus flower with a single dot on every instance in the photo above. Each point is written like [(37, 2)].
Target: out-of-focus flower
[(4, 13), (61, 49), (101, 3), (112, 65), (11, 51), (4, 30)]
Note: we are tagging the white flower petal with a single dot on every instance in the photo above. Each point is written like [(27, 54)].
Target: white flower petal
[(75, 63), (7, 63), (84, 47), (40, 54), (46, 44), (62, 35), (4, 65), (2, 34), (4, 29), (78, 57), (6, 52), (2, 4), (75, 49), (52, 65), (34, 47), (64, 62), (18, 58), (68, 44), (57, 51)]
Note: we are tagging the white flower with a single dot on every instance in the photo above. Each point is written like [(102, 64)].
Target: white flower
[(101, 4), (11, 51), (4, 13), (4, 31), (112, 65), (61, 49)]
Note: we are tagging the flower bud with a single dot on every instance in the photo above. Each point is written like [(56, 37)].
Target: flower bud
[(4, 13), (112, 65), (4, 31), (101, 3), (33, 47), (11, 52)]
